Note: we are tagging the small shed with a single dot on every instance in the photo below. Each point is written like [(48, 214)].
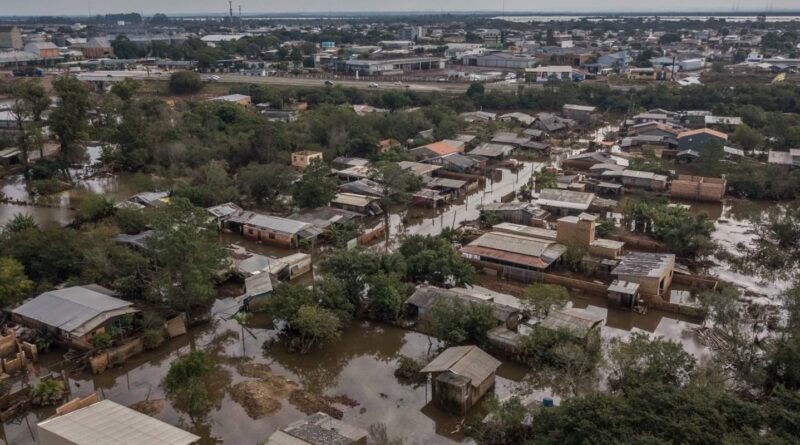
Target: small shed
[(258, 287), (577, 322), (461, 376), (623, 294), (419, 304)]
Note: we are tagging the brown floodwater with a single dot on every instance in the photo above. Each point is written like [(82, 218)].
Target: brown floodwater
[(361, 363)]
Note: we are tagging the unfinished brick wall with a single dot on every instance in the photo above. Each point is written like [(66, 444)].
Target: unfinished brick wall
[(698, 188)]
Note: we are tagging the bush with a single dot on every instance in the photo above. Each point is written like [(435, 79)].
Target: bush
[(152, 338), (48, 392), (185, 82), (409, 369), (102, 340)]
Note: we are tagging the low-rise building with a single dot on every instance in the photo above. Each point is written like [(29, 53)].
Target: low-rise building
[(107, 422), (302, 159), (623, 294), (45, 50), (363, 204), (461, 375), (652, 271), (564, 202), (10, 37), (644, 180), (579, 113), (557, 72), (492, 151), (420, 304), (698, 188), (74, 314), (696, 139), (517, 212), (97, 48), (789, 158), (273, 229), (318, 429), (241, 99), (521, 252)]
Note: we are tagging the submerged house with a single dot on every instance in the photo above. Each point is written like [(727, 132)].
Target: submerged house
[(74, 314), (652, 271), (517, 212), (577, 322), (318, 429), (503, 250), (362, 204), (420, 303), (462, 375), (271, 229), (564, 202)]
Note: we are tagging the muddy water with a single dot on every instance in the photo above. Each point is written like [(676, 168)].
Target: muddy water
[(362, 370), (360, 365)]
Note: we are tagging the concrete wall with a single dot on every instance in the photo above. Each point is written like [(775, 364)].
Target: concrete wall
[(269, 237), (698, 188)]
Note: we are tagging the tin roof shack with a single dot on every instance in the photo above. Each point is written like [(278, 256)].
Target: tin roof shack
[(436, 149), (698, 188), (364, 205), (652, 271), (522, 252), (274, 229), (578, 113), (318, 429), (461, 376), (531, 232), (623, 294), (74, 314), (564, 202), (224, 211), (644, 180), (107, 422), (419, 304), (257, 289), (581, 230), (518, 213), (325, 217), (418, 168), (578, 322)]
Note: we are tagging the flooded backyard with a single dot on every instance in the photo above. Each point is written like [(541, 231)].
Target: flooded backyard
[(355, 373)]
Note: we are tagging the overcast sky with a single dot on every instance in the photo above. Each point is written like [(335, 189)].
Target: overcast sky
[(82, 7)]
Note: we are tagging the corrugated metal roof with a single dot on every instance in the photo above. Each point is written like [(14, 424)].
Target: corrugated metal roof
[(109, 423), (576, 321), (565, 199), (468, 361), (427, 296), (644, 264), (258, 284), (522, 245), (352, 199), (70, 308), (276, 223)]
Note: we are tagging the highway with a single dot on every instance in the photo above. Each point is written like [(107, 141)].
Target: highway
[(447, 87)]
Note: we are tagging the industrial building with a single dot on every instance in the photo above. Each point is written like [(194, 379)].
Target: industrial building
[(393, 66)]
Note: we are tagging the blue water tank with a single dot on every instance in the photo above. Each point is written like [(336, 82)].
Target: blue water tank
[(547, 402)]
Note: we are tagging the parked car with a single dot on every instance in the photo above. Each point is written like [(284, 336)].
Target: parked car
[(372, 85), (214, 78), (328, 83)]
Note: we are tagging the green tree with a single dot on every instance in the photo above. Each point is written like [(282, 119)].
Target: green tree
[(126, 89), (30, 102), (640, 361), (211, 185), (185, 82), (14, 284), (315, 326), (185, 382), (541, 298), (433, 259), (387, 296), (397, 185), (317, 188), (711, 154), (94, 208), (186, 256), (747, 138), (69, 121), (456, 322), (264, 182)]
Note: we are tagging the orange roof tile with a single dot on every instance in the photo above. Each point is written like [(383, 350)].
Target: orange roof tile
[(441, 148), (716, 133)]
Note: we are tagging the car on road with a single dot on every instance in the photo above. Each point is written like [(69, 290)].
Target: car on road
[(328, 83), (398, 83), (214, 78), (372, 85), (443, 79)]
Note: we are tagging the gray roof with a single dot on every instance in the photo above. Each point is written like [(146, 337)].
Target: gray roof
[(257, 284), (318, 429), (18, 56), (139, 240), (578, 322), (492, 150), (523, 245), (224, 210), (565, 199), (623, 287), (109, 423), (71, 308), (644, 264), (585, 108), (426, 296), (467, 361), (277, 223)]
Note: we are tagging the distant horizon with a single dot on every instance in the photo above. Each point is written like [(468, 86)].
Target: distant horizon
[(435, 12)]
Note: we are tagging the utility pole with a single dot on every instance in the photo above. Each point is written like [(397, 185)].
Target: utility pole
[(240, 16), (230, 10)]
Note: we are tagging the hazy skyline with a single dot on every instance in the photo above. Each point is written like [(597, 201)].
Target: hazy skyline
[(83, 7)]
